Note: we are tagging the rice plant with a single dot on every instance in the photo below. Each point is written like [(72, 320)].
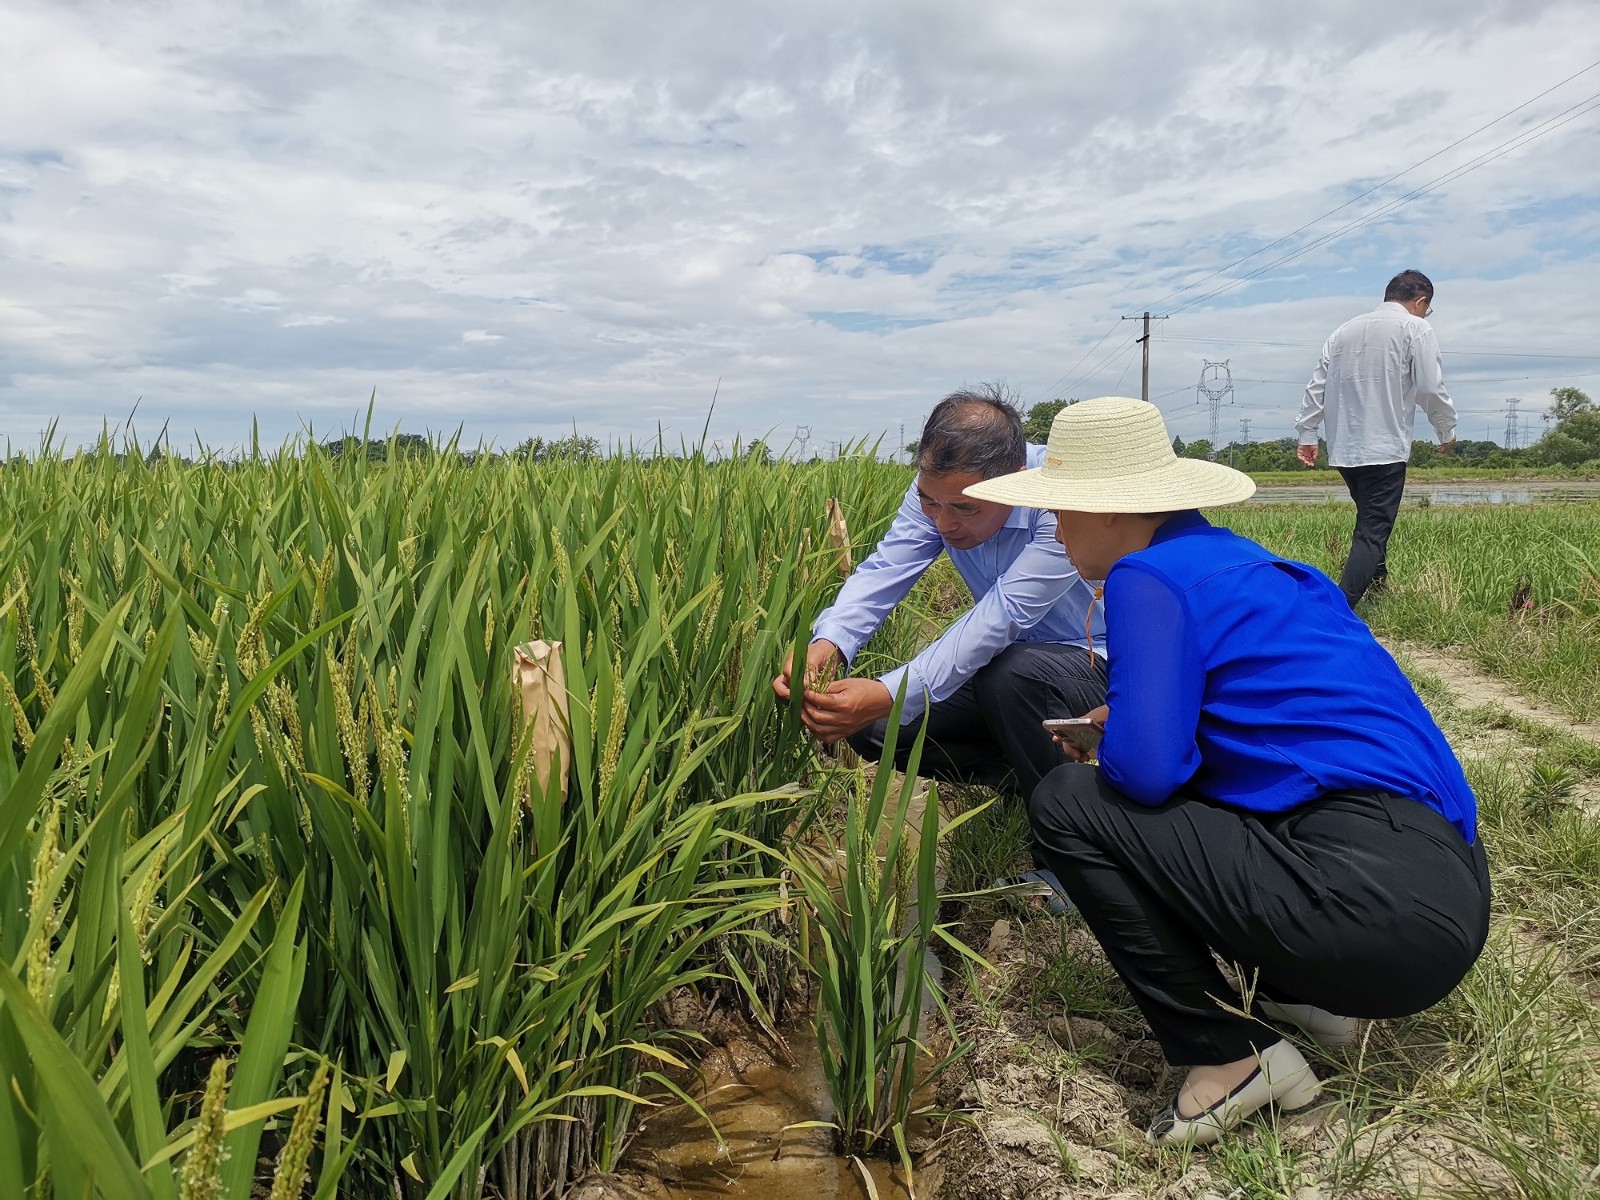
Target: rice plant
[(873, 921)]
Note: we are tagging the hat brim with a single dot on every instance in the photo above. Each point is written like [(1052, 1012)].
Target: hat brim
[(1185, 483)]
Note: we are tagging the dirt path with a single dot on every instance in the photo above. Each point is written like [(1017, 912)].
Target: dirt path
[(1472, 688)]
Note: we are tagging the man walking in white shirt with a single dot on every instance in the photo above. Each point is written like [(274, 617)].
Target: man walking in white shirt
[(1374, 372)]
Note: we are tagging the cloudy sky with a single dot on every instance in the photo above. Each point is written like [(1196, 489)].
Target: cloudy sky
[(527, 218)]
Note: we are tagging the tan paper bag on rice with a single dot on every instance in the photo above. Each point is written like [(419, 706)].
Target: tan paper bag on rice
[(839, 538), (539, 680)]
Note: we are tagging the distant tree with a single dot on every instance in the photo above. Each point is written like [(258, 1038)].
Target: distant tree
[(576, 448), (165, 454), (1567, 402), (759, 452), (1199, 448), (1585, 426), (1425, 454), (1468, 453), (1275, 455), (1177, 445), (1575, 439), (1561, 449), (406, 445), (1036, 426)]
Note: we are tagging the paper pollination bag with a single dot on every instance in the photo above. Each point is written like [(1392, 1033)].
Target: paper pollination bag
[(539, 680), (839, 539)]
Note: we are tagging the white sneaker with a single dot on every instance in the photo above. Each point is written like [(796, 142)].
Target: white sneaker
[(1282, 1077), (1326, 1028)]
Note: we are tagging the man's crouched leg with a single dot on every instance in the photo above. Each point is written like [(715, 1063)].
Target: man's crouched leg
[(990, 731)]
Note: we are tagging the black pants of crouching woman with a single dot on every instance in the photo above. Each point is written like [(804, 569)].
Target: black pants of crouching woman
[(1362, 904)]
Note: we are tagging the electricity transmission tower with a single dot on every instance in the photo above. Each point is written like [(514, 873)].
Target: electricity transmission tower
[(1512, 440), (802, 434), (1215, 387)]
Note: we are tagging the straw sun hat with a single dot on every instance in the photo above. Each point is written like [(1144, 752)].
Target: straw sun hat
[(1113, 455)]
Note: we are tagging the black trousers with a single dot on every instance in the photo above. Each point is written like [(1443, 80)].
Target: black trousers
[(1363, 904), (1376, 491), (989, 731)]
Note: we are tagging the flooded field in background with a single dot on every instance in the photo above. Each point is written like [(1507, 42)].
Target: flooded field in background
[(1440, 493)]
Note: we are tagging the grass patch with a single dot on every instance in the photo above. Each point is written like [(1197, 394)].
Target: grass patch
[(1517, 588)]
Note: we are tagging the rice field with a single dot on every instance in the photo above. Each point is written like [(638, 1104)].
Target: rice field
[(274, 854), (297, 900)]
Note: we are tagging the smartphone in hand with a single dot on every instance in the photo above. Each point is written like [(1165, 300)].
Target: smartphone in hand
[(1078, 732)]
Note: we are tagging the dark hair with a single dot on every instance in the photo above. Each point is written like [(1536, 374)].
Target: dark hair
[(1408, 286), (977, 430)]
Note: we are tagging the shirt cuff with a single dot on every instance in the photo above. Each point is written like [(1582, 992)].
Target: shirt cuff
[(1308, 438), (916, 696), (840, 637)]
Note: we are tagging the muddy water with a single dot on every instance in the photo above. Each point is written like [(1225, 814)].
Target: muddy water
[(750, 1109)]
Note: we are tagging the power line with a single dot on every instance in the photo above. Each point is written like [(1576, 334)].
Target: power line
[(1057, 384), (1587, 105), (1094, 371), (1375, 187), (1116, 387)]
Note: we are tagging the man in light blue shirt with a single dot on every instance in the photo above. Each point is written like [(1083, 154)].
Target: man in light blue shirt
[(1020, 654)]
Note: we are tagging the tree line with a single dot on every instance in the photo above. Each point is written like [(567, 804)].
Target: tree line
[(1573, 440)]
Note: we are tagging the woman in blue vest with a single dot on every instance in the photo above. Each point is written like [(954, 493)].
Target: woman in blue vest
[(1269, 786)]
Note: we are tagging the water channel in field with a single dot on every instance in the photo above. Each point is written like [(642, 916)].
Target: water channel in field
[(757, 1159), (773, 1119)]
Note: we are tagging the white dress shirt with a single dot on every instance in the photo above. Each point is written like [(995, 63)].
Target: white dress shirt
[(1374, 371)]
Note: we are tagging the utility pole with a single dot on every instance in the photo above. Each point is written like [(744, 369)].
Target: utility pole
[(1144, 378)]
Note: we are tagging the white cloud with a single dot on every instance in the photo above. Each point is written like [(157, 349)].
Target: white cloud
[(525, 218)]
